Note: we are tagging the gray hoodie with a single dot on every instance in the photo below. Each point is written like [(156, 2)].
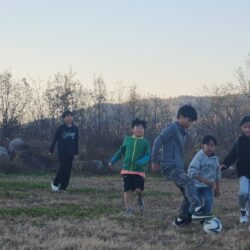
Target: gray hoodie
[(171, 140), (205, 166)]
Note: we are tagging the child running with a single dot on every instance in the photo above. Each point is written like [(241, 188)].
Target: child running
[(240, 152), (66, 137), (136, 151), (206, 172), (171, 140)]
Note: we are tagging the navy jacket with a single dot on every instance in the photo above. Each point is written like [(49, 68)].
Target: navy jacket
[(240, 153), (67, 139)]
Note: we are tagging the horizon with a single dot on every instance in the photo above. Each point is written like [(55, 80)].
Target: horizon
[(165, 48)]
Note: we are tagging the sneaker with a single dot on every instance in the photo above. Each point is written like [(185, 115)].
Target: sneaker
[(199, 215), (54, 188), (243, 216), (178, 222), (129, 212), (140, 203)]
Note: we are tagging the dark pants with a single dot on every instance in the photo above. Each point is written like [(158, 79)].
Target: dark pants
[(63, 174)]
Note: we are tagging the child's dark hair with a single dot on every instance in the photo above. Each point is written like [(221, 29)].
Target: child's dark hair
[(137, 122), (188, 111), (67, 113), (244, 120), (208, 138)]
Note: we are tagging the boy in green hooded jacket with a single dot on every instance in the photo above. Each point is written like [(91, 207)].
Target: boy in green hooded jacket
[(136, 152)]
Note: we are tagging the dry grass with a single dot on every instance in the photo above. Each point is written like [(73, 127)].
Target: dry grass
[(90, 217)]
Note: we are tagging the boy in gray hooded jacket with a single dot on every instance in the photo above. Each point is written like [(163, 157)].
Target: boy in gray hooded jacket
[(206, 172), (171, 140)]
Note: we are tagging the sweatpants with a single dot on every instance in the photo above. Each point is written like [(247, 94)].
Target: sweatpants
[(63, 175), (186, 185), (244, 192)]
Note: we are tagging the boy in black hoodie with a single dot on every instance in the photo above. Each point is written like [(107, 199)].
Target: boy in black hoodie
[(241, 153), (66, 137)]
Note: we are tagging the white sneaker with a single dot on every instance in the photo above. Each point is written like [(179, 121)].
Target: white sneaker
[(54, 188), (243, 216)]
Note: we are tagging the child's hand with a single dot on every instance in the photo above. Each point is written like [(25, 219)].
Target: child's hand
[(217, 193), (110, 166), (212, 185), (155, 167), (223, 167)]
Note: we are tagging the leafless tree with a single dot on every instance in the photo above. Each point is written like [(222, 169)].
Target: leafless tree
[(14, 96)]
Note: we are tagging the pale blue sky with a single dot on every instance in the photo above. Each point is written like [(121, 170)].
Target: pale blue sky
[(166, 47)]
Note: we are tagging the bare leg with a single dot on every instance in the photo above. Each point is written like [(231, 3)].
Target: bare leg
[(139, 192), (127, 199)]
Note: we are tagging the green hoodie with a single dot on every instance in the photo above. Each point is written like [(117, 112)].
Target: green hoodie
[(137, 154)]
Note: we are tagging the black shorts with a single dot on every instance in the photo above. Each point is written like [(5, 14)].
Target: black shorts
[(132, 182)]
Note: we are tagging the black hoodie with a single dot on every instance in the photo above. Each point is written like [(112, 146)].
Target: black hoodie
[(67, 140), (240, 153)]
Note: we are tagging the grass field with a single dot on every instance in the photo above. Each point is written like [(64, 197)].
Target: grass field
[(90, 216)]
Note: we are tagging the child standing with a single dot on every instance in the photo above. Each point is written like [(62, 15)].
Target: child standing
[(206, 172), (66, 137), (171, 140), (240, 152), (136, 151)]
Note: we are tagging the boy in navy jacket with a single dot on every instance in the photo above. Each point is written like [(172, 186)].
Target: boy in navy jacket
[(67, 139)]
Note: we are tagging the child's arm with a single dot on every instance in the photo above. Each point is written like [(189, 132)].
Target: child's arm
[(165, 135), (205, 181), (217, 189), (118, 155), (231, 157), (217, 182), (53, 144), (76, 144), (145, 159)]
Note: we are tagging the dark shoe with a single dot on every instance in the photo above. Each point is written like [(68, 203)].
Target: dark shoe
[(189, 218), (179, 222)]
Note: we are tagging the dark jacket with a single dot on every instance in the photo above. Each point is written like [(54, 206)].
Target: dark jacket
[(240, 153), (67, 140)]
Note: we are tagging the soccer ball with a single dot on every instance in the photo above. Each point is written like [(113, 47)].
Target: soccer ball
[(212, 226)]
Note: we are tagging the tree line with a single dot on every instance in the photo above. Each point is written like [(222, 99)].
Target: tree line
[(31, 109)]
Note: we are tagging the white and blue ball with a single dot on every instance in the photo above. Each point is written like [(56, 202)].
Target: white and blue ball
[(212, 226)]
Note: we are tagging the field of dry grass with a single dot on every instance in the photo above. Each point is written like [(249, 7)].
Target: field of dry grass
[(90, 216)]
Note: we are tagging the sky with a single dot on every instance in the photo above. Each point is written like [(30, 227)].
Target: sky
[(165, 47)]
